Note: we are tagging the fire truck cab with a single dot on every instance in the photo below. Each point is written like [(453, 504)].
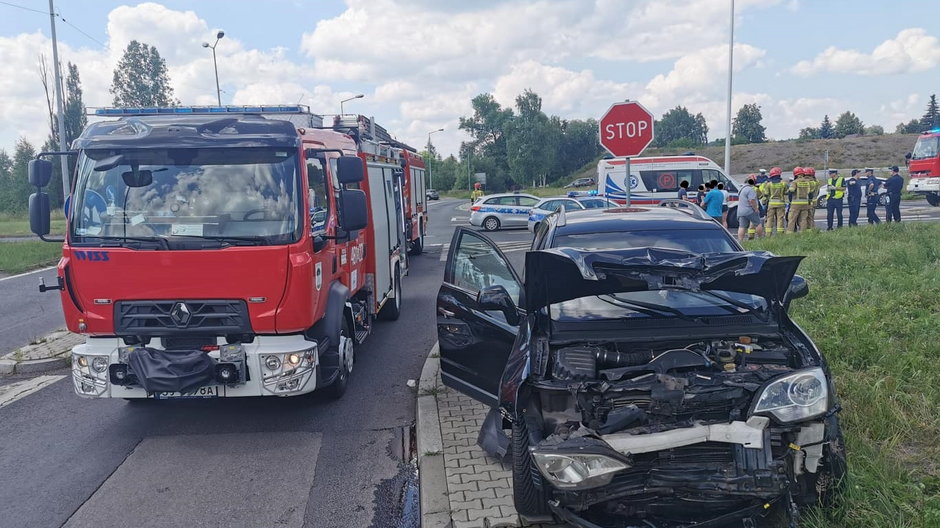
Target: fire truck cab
[(924, 167), (224, 251)]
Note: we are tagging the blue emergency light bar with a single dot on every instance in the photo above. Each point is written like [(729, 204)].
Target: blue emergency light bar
[(202, 110)]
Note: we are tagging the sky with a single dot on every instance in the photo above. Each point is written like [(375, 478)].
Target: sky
[(420, 62)]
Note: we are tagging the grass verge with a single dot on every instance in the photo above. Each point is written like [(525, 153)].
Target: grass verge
[(17, 257), (18, 225), (874, 311)]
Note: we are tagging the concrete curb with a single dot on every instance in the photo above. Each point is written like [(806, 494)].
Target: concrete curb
[(435, 503), (53, 352)]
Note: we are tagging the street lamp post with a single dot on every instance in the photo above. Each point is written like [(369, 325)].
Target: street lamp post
[(360, 96), (430, 157), (218, 37), (730, 76)]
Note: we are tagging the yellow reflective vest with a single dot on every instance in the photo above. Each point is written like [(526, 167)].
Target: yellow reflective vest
[(837, 187)]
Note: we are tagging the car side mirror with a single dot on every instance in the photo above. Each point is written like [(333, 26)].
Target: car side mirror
[(349, 169), (798, 288), (909, 155), (353, 213), (40, 172), (495, 297)]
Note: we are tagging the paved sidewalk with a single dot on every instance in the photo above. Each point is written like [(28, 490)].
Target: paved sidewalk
[(47, 353), (469, 489)]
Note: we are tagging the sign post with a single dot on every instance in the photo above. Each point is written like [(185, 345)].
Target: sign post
[(625, 131)]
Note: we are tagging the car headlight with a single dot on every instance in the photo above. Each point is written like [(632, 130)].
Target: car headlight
[(795, 397), (577, 471)]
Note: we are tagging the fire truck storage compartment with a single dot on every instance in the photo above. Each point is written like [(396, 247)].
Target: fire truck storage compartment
[(388, 226)]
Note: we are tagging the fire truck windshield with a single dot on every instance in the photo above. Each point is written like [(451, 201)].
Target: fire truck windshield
[(926, 147), (235, 196)]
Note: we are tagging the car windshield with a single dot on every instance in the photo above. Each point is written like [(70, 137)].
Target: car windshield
[(694, 240), (167, 194), (926, 147), (672, 303)]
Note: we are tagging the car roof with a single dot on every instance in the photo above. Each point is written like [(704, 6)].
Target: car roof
[(629, 219), (500, 195)]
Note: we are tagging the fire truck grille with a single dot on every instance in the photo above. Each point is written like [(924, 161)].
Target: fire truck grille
[(167, 318)]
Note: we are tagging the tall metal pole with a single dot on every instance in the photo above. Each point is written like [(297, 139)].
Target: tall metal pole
[(430, 178), (627, 182), (218, 91), (59, 105), (730, 74)]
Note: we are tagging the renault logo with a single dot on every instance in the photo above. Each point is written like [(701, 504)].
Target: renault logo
[(180, 314)]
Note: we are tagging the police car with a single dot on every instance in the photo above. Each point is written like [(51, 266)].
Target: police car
[(658, 178), (823, 197), (573, 202), (497, 211)]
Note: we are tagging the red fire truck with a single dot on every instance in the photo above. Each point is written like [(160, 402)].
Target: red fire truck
[(924, 166), (225, 251)]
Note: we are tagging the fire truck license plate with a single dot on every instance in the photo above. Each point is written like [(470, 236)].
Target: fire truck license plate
[(212, 391)]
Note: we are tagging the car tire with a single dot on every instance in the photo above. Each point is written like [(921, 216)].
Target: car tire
[(821, 202), (933, 199), (529, 493), (491, 223), (883, 199), (826, 487), (336, 389), (391, 311), (417, 247)]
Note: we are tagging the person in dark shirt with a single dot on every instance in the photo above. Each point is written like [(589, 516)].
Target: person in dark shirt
[(872, 184), (854, 192), (684, 191), (894, 184)]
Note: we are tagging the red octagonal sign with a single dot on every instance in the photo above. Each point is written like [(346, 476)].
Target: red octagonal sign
[(626, 129)]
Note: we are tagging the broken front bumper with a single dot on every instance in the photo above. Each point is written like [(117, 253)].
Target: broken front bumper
[(269, 366)]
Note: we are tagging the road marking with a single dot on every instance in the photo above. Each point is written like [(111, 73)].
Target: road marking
[(14, 391), (27, 273)]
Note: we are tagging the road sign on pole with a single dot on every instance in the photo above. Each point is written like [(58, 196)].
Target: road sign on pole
[(625, 131)]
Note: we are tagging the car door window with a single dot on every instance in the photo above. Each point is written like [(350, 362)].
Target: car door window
[(476, 264), (507, 200), (550, 205), (527, 201), (318, 195), (571, 205)]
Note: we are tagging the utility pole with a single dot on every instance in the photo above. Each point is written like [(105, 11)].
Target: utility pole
[(730, 74), (63, 159)]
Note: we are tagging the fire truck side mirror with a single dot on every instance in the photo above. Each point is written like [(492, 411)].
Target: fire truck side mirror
[(349, 169), (40, 172), (353, 213), (39, 212)]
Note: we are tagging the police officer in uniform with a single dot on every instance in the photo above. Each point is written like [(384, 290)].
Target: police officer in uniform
[(835, 204), (804, 189), (854, 191), (872, 184), (894, 184)]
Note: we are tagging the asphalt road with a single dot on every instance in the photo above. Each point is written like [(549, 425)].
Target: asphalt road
[(235, 463), (26, 314)]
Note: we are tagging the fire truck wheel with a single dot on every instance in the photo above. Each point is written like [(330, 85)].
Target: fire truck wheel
[(417, 247), (346, 358), (491, 223), (392, 309), (933, 199)]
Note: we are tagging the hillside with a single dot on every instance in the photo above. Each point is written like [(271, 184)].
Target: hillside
[(854, 152)]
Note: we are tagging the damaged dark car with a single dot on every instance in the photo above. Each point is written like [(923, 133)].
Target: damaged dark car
[(644, 387)]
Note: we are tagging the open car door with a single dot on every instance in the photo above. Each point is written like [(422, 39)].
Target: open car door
[(477, 315)]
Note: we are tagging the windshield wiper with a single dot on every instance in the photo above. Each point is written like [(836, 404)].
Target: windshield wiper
[(649, 309), (120, 241), (256, 240)]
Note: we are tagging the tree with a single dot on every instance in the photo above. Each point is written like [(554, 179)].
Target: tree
[(74, 117), (931, 117), (848, 124), (532, 141), (679, 124), (874, 130), (809, 133), (487, 127), (141, 79), (6, 183), (825, 128), (746, 126), (14, 181)]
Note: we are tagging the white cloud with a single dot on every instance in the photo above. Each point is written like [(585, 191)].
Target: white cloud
[(700, 74), (912, 50)]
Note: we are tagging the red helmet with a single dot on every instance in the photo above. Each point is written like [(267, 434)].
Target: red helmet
[(776, 171), (477, 185), (797, 171), (809, 171)]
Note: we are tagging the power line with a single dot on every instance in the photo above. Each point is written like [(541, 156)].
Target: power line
[(26, 8), (76, 28)]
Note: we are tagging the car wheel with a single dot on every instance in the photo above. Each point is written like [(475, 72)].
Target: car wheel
[(883, 199), (346, 359), (491, 223), (529, 493), (933, 199), (392, 309), (417, 247), (826, 486), (821, 202)]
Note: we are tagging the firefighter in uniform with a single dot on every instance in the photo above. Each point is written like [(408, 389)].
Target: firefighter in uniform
[(802, 206), (834, 204), (774, 193), (477, 193), (872, 185), (854, 191)]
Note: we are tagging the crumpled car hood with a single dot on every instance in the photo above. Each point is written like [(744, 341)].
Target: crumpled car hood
[(560, 274)]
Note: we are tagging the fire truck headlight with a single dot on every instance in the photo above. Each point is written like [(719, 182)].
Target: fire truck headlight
[(99, 364), (272, 362)]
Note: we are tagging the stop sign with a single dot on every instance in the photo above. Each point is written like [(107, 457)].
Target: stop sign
[(626, 129)]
